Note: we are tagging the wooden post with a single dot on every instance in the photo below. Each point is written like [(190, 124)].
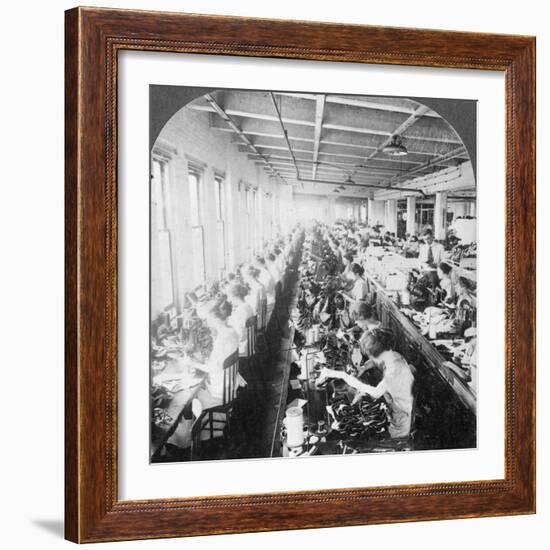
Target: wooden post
[(376, 214), (440, 215), (391, 215), (411, 215)]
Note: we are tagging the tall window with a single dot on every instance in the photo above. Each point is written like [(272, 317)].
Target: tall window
[(197, 228), (248, 222), (219, 188), (255, 221), (162, 271)]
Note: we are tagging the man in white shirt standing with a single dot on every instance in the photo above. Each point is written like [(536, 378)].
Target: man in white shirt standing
[(431, 252)]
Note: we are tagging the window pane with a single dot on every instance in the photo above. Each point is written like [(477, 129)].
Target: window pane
[(157, 193), (162, 281), (195, 197), (220, 198), (197, 236), (220, 239), (166, 291)]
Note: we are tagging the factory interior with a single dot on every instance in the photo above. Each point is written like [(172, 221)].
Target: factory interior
[(313, 278)]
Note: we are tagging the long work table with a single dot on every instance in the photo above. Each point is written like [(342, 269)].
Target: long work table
[(387, 311)]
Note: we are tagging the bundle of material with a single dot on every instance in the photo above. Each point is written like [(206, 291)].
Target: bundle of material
[(197, 340), (160, 399), (461, 251), (365, 420), (335, 351)]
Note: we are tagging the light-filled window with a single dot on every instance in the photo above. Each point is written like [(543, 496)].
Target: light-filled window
[(162, 270), (248, 222), (255, 222), (220, 192), (196, 197)]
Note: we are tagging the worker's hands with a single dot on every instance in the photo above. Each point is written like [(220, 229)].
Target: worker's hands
[(328, 373), (370, 364)]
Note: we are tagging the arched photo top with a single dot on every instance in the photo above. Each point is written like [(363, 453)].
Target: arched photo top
[(308, 138)]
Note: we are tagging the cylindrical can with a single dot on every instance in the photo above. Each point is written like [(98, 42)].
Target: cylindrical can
[(294, 423)]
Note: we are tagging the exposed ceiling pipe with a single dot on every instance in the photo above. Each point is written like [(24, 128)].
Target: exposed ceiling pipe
[(229, 121), (433, 162), (319, 112), (285, 133), (364, 185)]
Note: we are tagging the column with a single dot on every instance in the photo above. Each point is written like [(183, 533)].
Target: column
[(391, 216), (375, 212), (411, 215), (440, 215)]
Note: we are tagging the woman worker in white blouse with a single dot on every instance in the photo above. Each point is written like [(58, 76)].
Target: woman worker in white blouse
[(359, 292), (241, 312), (396, 385), (225, 342), (257, 292)]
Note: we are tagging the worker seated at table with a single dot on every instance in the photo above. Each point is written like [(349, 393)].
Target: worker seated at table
[(342, 318), (365, 317), (359, 291), (411, 247), (431, 253), (348, 278), (225, 342), (389, 238), (396, 385), (241, 312), (448, 279), (256, 291), (465, 313)]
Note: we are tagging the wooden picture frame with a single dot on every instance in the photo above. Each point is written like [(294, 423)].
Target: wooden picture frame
[(93, 39)]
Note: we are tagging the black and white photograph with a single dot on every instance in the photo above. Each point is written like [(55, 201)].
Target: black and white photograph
[(313, 261)]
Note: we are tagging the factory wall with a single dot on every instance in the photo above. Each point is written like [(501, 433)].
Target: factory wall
[(251, 210)]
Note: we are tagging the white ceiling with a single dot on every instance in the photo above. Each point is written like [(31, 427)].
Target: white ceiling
[(319, 141)]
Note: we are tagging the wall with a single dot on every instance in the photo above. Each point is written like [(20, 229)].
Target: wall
[(189, 141), (31, 471), (313, 207)]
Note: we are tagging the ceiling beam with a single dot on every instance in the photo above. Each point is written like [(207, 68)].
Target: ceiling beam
[(360, 101), (229, 121), (319, 110), (342, 166), (285, 133), (365, 186), (310, 123), (271, 135), (259, 116), (458, 152), (447, 179)]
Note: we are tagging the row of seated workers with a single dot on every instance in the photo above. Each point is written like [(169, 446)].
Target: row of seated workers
[(227, 310), (341, 249)]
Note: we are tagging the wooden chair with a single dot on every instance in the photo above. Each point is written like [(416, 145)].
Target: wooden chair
[(196, 429), (230, 373), (251, 331), (251, 367), (278, 311)]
